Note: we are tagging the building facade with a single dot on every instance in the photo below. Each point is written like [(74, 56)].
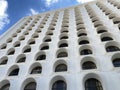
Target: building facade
[(76, 48)]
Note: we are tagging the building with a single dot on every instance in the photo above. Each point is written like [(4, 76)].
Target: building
[(76, 48)]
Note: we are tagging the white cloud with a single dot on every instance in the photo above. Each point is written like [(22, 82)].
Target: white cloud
[(33, 12), (49, 2), (4, 20), (84, 1)]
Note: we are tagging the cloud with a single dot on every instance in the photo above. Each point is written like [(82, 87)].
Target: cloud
[(4, 17), (49, 2), (33, 12), (84, 1)]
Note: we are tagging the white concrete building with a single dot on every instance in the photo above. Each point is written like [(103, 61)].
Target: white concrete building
[(76, 48)]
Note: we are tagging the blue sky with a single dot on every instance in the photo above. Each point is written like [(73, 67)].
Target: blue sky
[(13, 10)]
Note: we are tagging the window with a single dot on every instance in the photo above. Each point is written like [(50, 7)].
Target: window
[(116, 62), (22, 59), (4, 62), (59, 85), (5, 87), (44, 48), (64, 37), (62, 54), (32, 42), (3, 46), (106, 39), (17, 44), (27, 50), (82, 34), (47, 40), (30, 86), (14, 72), (85, 52), (83, 42), (11, 52), (36, 70), (93, 84), (63, 45), (61, 68), (41, 57), (112, 49), (101, 31), (88, 65)]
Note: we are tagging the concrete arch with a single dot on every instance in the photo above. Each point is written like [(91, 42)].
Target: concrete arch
[(26, 81), (60, 61), (33, 65), (56, 78)]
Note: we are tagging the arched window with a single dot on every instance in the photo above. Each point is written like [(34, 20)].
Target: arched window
[(64, 37), (47, 40), (30, 86), (4, 62), (22, 59), (17, 44), (36, 70), (93, 84), (61, 68), (3, 46), (27, 50), (82, 34), (5, 87), (41, 57), (62, 54), (63, 45), (14, 72), (106, 39), (59, 85), (83, 42), (32, 42), (11, 52), (86, 52), (44, 48), (112, 48), (101, 31), (88, 65), (116, 62)]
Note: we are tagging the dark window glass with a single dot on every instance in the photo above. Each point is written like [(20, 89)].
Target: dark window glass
[(36, 70), (27, 50), (21, 60), (82, 34), (63, 45), (45, 48), (88, 65), (86, 52), (62, 54), (116, 62), (4, 46), (32, 42), (59, 85), (30, 86), (17, 45), (93, 84), (4, 62), (106, 39), (14, 72), (83, 42), (11, 52), (5, 87), (41, 57), (47, 40), (64, 37), (112, 49), (60, 68), (102, 31)]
